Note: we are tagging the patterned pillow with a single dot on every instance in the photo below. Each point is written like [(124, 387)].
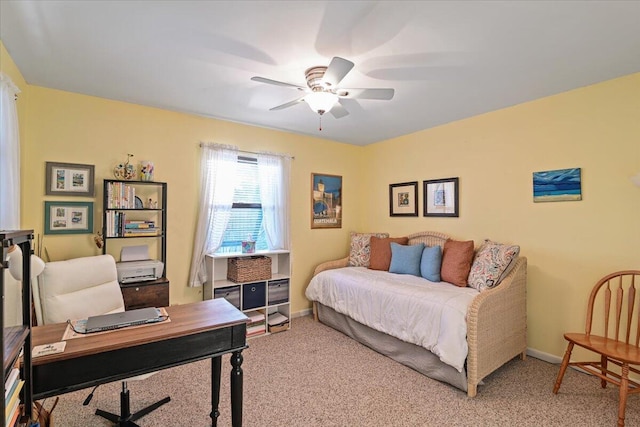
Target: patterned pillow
[(359, 253), (492, 264)]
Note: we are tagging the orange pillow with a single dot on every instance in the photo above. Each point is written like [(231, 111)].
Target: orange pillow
[(380, 253), (456, 262)]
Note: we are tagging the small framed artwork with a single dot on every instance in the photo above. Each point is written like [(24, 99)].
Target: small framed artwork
[(68, 217), (557, 185), (69, 179), (441, 197), (326, 201), (403, 199)]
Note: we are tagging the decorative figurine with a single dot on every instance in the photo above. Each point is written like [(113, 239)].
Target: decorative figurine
[(125, 171)]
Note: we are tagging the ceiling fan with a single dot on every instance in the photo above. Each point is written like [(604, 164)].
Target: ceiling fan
[(323, 94)]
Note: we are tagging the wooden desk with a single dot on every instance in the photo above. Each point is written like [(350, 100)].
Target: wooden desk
[(196, 331)]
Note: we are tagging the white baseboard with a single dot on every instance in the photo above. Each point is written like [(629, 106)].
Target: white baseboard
[(547, 357), (305, 312)]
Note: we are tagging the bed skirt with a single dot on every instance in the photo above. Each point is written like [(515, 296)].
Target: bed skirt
[(413, 356)]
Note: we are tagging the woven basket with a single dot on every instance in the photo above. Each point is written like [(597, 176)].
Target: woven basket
[(249, 269)]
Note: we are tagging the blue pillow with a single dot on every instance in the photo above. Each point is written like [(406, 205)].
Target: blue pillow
[(406, 259), (430, 263)]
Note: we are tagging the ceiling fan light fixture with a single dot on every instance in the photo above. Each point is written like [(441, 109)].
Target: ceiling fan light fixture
[(321, 102)]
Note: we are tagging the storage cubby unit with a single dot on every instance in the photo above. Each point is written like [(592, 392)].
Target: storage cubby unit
[(265, 300)]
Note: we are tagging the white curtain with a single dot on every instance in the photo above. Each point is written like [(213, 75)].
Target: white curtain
[(273, 175), (217, 184), (9, 156)]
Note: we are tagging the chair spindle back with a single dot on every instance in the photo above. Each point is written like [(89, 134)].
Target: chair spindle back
[(619, 312)]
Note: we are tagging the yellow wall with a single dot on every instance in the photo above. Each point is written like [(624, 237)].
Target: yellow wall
[(569, 245), (67, 127)]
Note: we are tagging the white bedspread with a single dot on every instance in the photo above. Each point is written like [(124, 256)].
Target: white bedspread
[(412, 309)]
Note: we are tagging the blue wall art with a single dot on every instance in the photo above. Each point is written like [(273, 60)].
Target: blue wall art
[(557, 185)]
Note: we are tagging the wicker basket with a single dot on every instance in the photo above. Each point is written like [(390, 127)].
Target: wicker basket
[(249, 269)]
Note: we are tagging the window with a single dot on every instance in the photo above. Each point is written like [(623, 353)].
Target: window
[(246, 212)]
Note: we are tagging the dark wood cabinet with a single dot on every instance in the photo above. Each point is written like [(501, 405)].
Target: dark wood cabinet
[(146, 294)]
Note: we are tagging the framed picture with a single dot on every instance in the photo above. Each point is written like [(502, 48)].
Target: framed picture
[(68, 217), (557, 185), (441, 197), (326, 201), (69, 179), (403, 199)]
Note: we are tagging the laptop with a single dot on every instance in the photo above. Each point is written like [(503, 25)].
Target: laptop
[(107, 322)]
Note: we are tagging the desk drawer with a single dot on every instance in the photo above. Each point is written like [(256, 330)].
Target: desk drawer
[(230, 293), (254, 295), (146, 294)]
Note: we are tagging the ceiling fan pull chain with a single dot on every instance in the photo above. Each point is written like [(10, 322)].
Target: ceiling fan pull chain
[(320, 119)]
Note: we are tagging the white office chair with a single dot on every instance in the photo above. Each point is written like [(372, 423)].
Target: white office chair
[(79, 288)]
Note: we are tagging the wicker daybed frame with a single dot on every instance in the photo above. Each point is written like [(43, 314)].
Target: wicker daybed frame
[(496, 319)]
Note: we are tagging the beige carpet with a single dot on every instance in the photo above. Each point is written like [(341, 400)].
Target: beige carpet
[(315, 376)]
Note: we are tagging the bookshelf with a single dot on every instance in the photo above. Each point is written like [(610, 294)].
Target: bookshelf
[(135, 213), (16, 338)]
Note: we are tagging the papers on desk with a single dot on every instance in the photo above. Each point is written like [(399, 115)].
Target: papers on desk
[(45, 349)]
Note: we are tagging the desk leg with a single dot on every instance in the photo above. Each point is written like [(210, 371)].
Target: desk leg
[(216, 365), (236, 389)]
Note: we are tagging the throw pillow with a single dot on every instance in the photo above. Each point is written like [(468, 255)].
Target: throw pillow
[(492, 264), (430, 263), (359, 252), (456, 261), (381, 251), (406, 259)]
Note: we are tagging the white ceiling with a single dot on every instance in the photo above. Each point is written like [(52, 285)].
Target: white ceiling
[(447, 60)]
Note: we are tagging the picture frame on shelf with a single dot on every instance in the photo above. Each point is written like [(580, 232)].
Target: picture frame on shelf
[(326, 201), (403, 199), (69, 179), (441, 197), (68, 217)]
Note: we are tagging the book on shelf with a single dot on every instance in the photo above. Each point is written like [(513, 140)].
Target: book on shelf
[(256, 330), (9, 393), (255, 316), (13, 421), (121, 196), (11, 380), (14, 400), (139, 224), (142, 232)]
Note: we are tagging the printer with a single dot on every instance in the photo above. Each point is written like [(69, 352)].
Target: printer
[(139, 271), (135, 265)]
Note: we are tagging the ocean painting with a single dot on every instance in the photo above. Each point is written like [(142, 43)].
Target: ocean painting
[(556, 186)]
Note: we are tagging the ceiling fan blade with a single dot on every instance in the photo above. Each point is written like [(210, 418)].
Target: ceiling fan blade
[(338, 111), (287, 104), (275, 82), (337, 69), (371, 93)]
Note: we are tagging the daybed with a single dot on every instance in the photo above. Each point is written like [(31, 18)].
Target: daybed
[(495, 318)]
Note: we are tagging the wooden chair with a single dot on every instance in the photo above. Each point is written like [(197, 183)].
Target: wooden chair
[(617, 314)]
